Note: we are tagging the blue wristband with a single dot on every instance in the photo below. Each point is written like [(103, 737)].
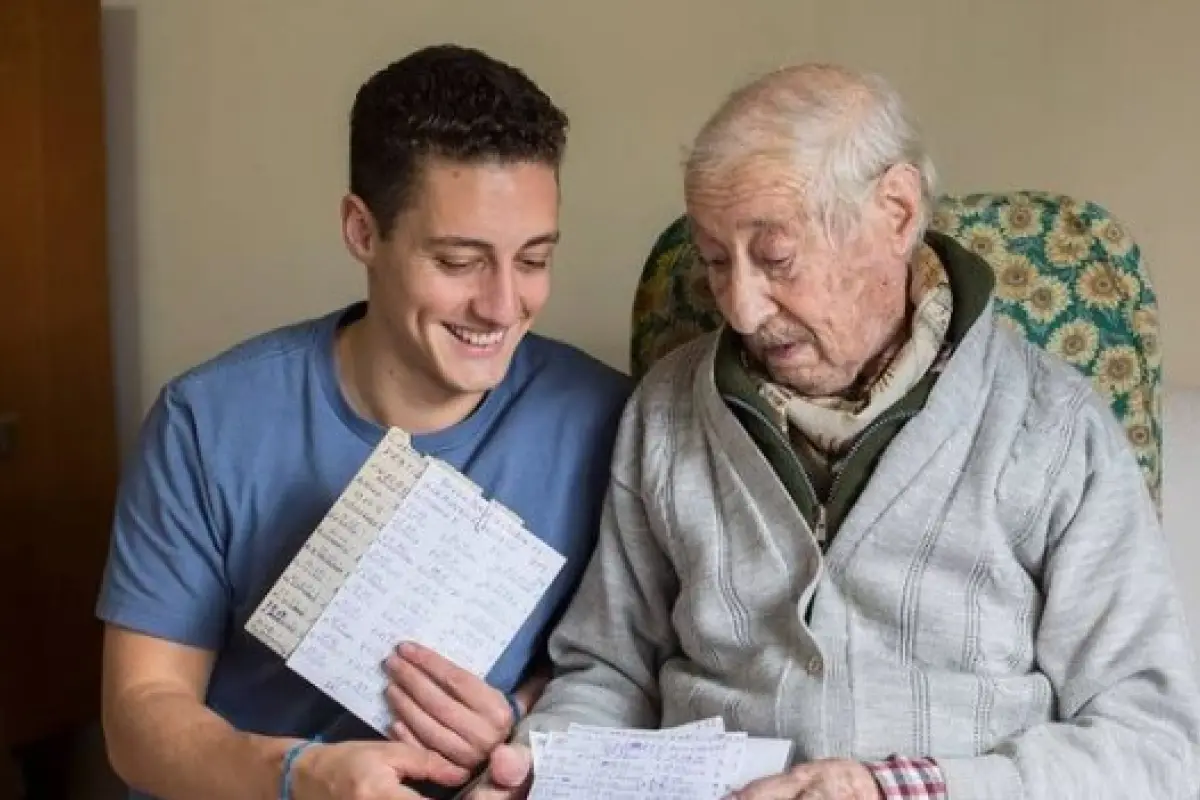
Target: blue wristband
[(289, 760), (516, 709)]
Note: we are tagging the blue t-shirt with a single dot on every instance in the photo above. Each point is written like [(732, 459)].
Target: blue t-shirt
[(241, 457)]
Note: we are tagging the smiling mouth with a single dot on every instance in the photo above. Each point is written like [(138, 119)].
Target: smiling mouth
[(483, 340)]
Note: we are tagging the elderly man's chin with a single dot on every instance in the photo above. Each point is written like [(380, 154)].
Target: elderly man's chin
[(817, 381), (802, 368)]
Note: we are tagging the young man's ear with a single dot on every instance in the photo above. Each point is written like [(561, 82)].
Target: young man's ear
[(359, 231)]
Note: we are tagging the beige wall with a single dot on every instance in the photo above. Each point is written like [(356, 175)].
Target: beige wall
[(227, 131)]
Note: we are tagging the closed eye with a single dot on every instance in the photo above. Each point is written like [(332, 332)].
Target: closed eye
[(719, 262), (455, 265)]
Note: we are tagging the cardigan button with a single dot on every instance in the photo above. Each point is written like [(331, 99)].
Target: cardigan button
[(815, 666)]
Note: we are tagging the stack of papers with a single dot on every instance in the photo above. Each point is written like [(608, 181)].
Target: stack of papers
[(698, 761), (411, 551)]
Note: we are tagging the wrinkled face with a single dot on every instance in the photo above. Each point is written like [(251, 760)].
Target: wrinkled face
[(465, 270), (816, 315)]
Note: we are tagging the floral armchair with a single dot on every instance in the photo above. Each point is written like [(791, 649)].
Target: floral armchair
[(1068, 277)]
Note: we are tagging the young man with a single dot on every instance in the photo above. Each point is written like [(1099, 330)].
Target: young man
[(453, 210)]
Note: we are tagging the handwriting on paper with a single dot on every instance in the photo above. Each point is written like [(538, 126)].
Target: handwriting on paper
[(449, 570), (410, 551), (585, 764), (330, 555), (699, 761)]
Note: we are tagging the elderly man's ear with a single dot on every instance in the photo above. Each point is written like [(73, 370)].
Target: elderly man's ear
[(898, 195)]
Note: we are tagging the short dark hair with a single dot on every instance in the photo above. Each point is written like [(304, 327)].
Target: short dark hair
[(450, 102)]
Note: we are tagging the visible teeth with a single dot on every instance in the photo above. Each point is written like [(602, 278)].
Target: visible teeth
[(475, 338)]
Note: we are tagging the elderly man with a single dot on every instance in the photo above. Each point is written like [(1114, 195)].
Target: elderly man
[(865, 517)]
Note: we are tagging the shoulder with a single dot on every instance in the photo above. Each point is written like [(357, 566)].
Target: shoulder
[(664, 411), (256, 370), (1066, 432), (1052, 394), (253, 391), (547, 368), (668, 387)]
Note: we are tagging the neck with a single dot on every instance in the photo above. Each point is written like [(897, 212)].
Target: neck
[(381, 387), (880, 361)]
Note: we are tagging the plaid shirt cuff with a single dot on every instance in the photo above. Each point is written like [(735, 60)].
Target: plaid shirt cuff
[(901, 778)]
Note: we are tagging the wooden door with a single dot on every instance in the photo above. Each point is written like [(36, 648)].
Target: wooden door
[(57, 441)]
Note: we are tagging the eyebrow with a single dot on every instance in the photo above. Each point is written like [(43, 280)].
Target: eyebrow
[(758, 224), (763, 224), (481, 244)]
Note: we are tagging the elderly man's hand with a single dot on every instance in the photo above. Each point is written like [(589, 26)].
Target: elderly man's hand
[(832, 779)]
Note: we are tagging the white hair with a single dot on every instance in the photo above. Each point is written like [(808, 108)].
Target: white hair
[(841, 130)]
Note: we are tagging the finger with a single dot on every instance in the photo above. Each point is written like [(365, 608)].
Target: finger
[(462, 685), (785, 786), (410, 762), (399, 792), (430, 733), (449, 713), (399, 732), (510, 766), (508, 777), (486, 790), (404, 793)]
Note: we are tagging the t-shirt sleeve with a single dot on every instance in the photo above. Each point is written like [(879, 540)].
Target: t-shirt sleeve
[(165, 575)]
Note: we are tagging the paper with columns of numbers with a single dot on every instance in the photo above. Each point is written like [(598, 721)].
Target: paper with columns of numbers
[(697, 761), (411, 551)]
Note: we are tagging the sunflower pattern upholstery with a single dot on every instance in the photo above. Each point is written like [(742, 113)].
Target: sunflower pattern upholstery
[(1068, 277)]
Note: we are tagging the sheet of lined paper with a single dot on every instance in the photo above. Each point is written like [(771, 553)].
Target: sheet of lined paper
[(699, 761), (411, 551), (330, 555)]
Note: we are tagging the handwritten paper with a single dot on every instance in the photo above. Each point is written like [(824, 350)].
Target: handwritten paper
[(329, 556), (411, 551), (697, 761)]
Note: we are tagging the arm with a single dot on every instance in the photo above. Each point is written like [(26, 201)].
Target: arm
[(163, 740), (610, 643), (160, 736), (165, 598), (617, 630), (1111, 641)]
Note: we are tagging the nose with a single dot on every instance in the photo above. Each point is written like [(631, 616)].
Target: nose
[(745, 299), (498, 300)]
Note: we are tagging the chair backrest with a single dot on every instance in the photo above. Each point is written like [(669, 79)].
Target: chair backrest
[(1068, 277)]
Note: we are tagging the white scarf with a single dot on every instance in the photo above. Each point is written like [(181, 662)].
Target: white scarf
[(829, 424)]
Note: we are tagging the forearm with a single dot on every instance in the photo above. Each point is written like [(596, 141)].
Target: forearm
[(1099, 760), (1136, 739), (165, 743), (597, 695), (601, 676), (616, 633), (1111, 637)]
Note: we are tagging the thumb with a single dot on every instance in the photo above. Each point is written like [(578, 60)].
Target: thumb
[(417, 762), (510, 766)]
